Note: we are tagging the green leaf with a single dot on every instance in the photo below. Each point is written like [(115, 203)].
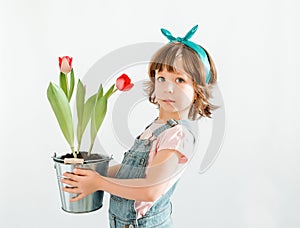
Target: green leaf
[(80, 95), (97, 118), (87, 111), (110, 91), (62, 111), (72, 83), (63, 83), (100, 91), (99, 114)]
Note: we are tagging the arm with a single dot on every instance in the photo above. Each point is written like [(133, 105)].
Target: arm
[(85, 182), (112, 170)]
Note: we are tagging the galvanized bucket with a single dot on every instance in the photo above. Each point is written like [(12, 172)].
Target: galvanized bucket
[(91, 202)]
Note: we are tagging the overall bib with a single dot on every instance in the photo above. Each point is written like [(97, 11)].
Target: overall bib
[(122, 212)]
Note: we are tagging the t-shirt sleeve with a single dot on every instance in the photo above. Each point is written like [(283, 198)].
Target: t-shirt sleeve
[(177, 138)]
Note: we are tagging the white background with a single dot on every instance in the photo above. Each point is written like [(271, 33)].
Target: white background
[(255, 45)]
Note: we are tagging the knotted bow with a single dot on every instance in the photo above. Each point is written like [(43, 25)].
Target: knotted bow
[(199, 50)]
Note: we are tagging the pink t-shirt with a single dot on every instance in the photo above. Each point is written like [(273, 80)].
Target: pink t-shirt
[(176, 138)]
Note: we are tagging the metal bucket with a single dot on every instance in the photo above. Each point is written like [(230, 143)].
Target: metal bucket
[(91, 202)]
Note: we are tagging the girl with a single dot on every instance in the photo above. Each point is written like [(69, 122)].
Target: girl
[(181, 77)]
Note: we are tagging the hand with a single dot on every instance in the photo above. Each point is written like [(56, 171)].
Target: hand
[(82, 182)]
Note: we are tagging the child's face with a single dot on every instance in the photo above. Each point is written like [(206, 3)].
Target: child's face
[(174, 92)]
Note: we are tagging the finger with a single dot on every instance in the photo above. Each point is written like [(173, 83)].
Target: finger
[(71, 176), (68, 182), (76, 198), (80, 172), (73, 190)]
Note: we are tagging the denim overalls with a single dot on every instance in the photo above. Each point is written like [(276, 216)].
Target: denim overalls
[(122, 213)]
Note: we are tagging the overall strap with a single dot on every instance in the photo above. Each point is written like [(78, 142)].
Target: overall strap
[(191, 126), (146, 128), (170, 123)]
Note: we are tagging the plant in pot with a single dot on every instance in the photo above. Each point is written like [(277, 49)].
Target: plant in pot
[(91, 111)]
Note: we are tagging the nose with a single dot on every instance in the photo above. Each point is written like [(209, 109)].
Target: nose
[(170, 87)]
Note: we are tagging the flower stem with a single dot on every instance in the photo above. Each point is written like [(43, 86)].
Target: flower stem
[(68, 89), (73, 152), (78, 147), (90, 149), (114, 91)]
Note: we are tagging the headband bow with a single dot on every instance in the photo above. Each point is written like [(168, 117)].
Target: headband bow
[(199, 50)]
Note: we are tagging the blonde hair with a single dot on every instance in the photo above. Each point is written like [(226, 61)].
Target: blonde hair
[(166, 57)]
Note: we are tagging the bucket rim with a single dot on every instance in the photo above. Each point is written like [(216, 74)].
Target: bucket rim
[(106, 158)]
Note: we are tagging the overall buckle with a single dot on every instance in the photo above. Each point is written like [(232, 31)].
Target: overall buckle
[(172, 122)]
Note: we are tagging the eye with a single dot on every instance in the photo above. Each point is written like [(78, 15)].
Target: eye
[(180, 80), (161, 79)]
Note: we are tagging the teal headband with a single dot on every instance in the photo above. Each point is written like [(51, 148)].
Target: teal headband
[(185, 40)]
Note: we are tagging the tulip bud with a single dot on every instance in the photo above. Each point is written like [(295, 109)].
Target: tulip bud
[(65, 64), (123, 83)]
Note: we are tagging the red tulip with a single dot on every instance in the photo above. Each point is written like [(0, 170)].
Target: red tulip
[(123, 83), (65, 64)]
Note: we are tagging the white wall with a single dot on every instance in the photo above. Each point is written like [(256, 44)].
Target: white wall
[(255, 179)]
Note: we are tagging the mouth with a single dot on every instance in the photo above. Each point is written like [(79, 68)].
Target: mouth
[(168, 101)]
